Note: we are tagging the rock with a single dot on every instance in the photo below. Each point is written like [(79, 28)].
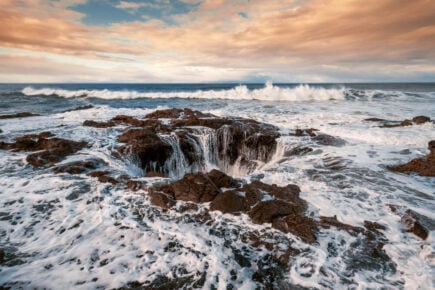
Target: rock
[(176, 114), (305, 132), (220, 179), (375, 120), (414, 222), (54, 149), (266, 211), (229, 202), (195, 187), (146, 147), (424, 166), (328, 140), (298, 151), (102, 177), (18, 115), (134, 185), (78, 167), (154, 140), (327, 222), (301, 226), (416, 120), (420, 120), (160, 199), (90, 123), (431, 147)]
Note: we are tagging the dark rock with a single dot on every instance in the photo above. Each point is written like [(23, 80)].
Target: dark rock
[(152, 142), (176, 114), (375, 120), (220, 179), (298, 151), (414, 222), (266, 211), (229, 202), (328, 140), (416, 120), (413, 225), (18, 115), (78, 167), (90, 123), (431, 147), (134, 185), (161, 199), (424, 166), (305, 132), (327, 222), (103, 177), (154, 174), (85, 107), (146, 147), (194, 187), (420, 119), (301, 226), (55, 149)]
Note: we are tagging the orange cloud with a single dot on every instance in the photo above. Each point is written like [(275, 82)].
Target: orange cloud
[(276, 35)]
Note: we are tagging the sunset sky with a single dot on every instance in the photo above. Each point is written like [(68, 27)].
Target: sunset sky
[(217, 40)]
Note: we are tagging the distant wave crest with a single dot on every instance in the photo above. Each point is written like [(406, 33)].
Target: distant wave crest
[(268, 93)]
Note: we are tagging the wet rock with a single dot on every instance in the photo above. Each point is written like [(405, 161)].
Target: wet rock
[(420, 120), (134, 185), (85, 107), (192, 187), (304, 227), (414, 222), (375, 120), (328, 140), (220, 179), (415, 121), (327, 222), (424, 166), (297, 151), (162, 134), (95, 124), (305, 132), (229, 202), (161, 199), (78, 167), (18, 115), (150, 151), (56, 150), (266, 211), (103, 177)]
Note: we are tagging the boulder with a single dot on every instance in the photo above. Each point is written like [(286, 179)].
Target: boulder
[(229, 202), (424, 166), (18, 115)]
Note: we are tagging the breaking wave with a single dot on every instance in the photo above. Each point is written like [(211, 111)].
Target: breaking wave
[(268, 93)]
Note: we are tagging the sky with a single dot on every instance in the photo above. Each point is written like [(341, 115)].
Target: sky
[(191, 41)]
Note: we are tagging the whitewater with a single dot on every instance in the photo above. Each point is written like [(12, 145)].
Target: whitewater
[(61, 231)]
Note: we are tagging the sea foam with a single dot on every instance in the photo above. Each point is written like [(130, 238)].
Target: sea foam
[(268, 93)]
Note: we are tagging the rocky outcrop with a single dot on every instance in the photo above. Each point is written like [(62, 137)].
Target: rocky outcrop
[(417, 120), (263, 203), (18, 115), (424, 166), (319, 138), (178, 141), (413, 222), (50, 149)]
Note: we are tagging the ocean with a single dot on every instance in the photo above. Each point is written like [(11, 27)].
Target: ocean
[(109, 237)]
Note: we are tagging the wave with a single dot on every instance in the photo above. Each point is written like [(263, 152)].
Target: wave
[(268, 93)]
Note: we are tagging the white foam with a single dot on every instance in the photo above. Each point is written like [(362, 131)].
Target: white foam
[(241, 92)]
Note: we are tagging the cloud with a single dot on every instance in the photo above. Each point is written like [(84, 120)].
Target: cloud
[(317, 39)]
